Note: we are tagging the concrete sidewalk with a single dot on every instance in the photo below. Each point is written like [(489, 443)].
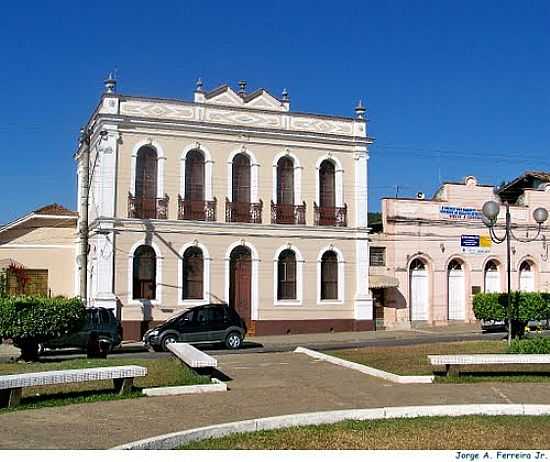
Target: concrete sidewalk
[(261, 385), (342, 340)]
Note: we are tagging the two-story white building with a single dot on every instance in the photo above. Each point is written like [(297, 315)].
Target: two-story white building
[(229, 197)]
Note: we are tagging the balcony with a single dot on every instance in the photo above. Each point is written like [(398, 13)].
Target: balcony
[(145, 208), (330, 216), (196, 209), (288, 214), (243, 212)]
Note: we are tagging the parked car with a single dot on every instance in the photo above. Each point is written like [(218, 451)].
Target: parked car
[(201, 324), (100, 327), (503, 326)]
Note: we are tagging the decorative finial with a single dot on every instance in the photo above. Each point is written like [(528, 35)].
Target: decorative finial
[(285, 94), (110, 84), (242, 87), (360, 110), (199, 85)]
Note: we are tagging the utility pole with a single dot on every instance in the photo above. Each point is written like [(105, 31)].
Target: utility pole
[(84, 198)]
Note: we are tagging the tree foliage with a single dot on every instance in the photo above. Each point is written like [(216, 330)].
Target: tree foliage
[(29, 320), (526, 306)]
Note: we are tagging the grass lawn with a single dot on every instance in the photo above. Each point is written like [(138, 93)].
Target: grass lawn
[(412, 360), (471, 432), (161, 372)]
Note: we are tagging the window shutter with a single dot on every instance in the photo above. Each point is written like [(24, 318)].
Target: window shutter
[(144, 273), (286, 275), (193, 272), (327, 185), (194, 176), (329, 276), (241, 179)]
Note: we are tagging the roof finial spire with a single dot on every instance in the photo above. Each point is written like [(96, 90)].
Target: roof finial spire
[(284, 94), (110, 84), (360, 110), (199, 85), (242, 87)]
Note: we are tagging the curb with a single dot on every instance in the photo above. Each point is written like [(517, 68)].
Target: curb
[(173, 440), (366, 369), (215, 386)]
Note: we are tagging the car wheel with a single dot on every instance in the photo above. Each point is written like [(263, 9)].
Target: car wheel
[(234, 341), (171, 338)]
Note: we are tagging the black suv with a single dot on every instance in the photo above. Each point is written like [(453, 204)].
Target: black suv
[(200, 324), (101, 326)]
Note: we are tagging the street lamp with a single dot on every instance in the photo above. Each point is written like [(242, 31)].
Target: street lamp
[(490, 211)]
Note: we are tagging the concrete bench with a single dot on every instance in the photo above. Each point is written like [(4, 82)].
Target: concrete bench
[(453, 363), (191, 356), (11, 386)]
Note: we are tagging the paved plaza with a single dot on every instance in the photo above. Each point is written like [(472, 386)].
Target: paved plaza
[(261, 385)]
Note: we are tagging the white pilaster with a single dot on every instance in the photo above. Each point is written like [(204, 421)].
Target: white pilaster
[(363, 299), (107, 171), (104, 270)]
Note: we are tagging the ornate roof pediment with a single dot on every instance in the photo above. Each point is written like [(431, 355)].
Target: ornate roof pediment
[(224, 95)]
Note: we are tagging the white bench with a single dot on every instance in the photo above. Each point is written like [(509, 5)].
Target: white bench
[(11, 386), (194, 358), (454, 362)]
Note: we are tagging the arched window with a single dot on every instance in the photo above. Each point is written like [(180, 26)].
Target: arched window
[(194, 176), (285, 181), (146, 183), (327, 185), (329, 276), (193, 274), (286, 275), (492, 277), (144, 273), (241, 179)]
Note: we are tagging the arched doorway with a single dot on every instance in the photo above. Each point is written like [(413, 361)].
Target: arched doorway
[(240, 282), (418, 290), (492, 277), (457, 291), (526, 277)]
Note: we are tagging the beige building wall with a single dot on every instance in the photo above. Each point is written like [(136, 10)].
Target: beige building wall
[(45, 244)]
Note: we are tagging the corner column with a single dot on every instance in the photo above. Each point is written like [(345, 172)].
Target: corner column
[(363, 308)]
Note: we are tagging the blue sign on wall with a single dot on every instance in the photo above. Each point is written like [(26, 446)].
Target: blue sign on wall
[(469, 240)]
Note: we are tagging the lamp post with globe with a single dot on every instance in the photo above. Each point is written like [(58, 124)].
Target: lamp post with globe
[(490, 212)]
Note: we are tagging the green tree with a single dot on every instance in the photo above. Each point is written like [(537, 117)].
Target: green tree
[(30, 320)]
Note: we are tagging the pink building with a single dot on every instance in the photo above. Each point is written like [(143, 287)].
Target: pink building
[(429, 256)]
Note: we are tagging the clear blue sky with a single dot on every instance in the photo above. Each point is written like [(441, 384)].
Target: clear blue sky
[(451, 88)]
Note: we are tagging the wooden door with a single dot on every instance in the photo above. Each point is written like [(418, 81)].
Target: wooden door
[(240, 289), (419, 294)]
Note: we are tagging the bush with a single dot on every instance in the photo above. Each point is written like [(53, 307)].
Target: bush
[(526, 306), (490, 307), (537, 345), (30, 320)]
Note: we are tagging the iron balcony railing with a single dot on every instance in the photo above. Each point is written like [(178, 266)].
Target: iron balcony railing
[(199, 210), (243, 212), (148, 208), (330, 216), (288, 214)]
